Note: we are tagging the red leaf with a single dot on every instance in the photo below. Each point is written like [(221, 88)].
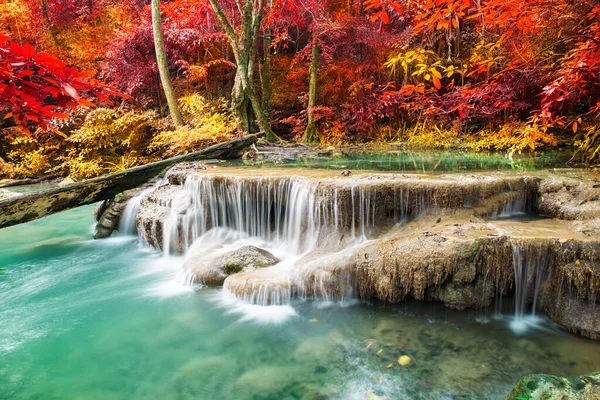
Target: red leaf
[(70, 91), (385, 18), (28, 51)]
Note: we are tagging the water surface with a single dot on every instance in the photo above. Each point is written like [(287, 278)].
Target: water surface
[(390, 159), (111, 319)]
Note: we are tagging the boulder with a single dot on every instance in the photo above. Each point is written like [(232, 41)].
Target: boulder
[(108, 213), (245, 259), (549, 387), (108, 220)]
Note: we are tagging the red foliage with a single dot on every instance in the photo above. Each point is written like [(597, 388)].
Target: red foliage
[(37, 87)]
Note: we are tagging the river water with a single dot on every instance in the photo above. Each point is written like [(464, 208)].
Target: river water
[(114, 319)]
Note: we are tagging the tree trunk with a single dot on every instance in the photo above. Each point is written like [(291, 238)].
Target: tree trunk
[(310, 135), (244, 45), (37, 205), (241, 107), (266, 72), (163, 67)]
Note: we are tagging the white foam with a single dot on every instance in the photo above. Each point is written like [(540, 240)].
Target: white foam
[(267, 315)]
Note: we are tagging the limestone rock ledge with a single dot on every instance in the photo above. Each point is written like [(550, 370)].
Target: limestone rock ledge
[(431, 238)]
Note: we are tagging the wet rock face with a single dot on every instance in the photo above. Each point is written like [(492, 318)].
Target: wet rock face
[(549, 387), (467, 295), (108, 213), (214, 272), (570, 198), (196, 200)]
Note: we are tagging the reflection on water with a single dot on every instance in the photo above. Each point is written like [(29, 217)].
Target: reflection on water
[(112, 319), (424, 161)]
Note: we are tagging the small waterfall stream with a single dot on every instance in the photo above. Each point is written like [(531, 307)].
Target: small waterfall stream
[(290, 217), (127, 225), (530, 265)]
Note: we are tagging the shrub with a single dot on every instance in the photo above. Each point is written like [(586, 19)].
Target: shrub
[(106, 141), (209, 122), (28, 156), (433, 137), (333, 134), (513, 137), (589, 145)]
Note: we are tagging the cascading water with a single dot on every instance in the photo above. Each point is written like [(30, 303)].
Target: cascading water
[(295, 217), (530, 264), (127, 225), (291, 213)]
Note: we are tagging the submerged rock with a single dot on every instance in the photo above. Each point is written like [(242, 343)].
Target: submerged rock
[(549, 387), (214, 272), (467, 295)]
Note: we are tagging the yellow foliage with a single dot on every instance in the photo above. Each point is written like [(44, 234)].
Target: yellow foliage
[(589, 145), (107, 141), (210, 122), (28, 156), (421, 66), (5, 169), (80, 167), (33, 163), (333, 134), (433, 137), (385, 134), (114, 131), (512, 137)]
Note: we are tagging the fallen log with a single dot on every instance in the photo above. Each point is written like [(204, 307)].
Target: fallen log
[(37, 205)]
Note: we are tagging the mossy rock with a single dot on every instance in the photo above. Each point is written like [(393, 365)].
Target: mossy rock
[(245, 259), (549, 387), (232, 267)]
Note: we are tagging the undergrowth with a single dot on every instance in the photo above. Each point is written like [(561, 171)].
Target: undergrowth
[(208, 122)]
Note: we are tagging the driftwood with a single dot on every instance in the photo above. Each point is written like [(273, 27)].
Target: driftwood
[(37, 205)]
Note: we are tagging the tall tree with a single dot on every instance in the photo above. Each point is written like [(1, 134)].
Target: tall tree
[(246, 104), (163, 67)]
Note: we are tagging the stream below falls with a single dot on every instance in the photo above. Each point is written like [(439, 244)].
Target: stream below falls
[(115, 319)]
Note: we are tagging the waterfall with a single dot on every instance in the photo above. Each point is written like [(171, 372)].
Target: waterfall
[(292, 212), (127, 225), (530, 264)]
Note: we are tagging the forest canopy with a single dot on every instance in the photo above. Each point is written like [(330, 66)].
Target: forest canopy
[(481, 74)]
